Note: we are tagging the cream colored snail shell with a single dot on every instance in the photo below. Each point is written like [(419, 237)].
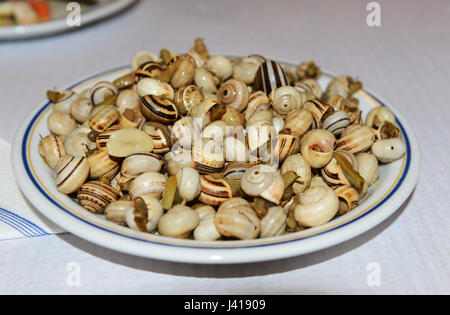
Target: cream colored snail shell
[(257, 101), (60, 123), (300, 166), (285, 99), (378, 115), (214, 190), (348, 198), (101, 91), (142, 57), (205, 80), (77, 142), (246, 68), (188, 182), (179, 222), (368, 167), (263, 181), (154, 211), (139, 163), (80, 109), (51, 149), (64, 103), (208, 156), (104, 118), (221, 67), (236, 218), (317, 147), (148, 183), (274, 222), (234, 93), (116, 211), (389, 150), (187, 97), (356, 138), (317, 206), (128, 99), (71, 173), (184, 73), (102, 165), (299, 121), (154, 87), (206, 230)]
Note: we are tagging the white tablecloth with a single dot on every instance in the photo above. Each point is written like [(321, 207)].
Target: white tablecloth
[(406, 60)]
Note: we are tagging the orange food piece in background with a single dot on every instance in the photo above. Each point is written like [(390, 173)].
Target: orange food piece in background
[(42, 9)]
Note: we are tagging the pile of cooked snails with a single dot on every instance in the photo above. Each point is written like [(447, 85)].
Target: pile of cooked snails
[(215, 148)]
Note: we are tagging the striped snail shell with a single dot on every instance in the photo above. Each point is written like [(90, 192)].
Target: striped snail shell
[(148, 183), (286, 144), (235, 170), (187, 97), (207, 156), (51, 149), (77, 142), (116, 211), (356, 138), (274, 222), (234, 93), (101, 91), (309, 86), (214, 190), (160, 135), (94, 196), (270, 76), (298, 164), (257, 101), (245, 68), (318, 110), (336, 122), (332, 173), (71, 173), (103, 138), (159, 109), (104, 118), (148, 69), (233, 117), (299, 121), (154, 87), (102, 165)]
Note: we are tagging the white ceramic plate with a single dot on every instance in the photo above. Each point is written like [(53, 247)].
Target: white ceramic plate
[(89, 15), (397, 181)]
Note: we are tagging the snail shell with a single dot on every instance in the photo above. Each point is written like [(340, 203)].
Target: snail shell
[(116, 211), (278, 124), (235, 170), (148, 183), (344, 86), (263, 181), (183, 132), (236, 148), (214, 190), (309, 86), (184, 72), (317, 147), (306, 70), (206, 230), (128, 99), (154, 87), (356, 138), (318, 110), (51, 149), (337, 102), (233, 117), (336, 122), (368, 167), (257, 101), (207, 156), (178, 159), (131, 119), (348, 198), (94, 196), (160, 135), (104, 118), (332, 172), (77, 142), (64, 103), (205, 80), (103, 138), (188, 181), (216, 131), (142, 57), (139, 163), (101, 91), (236, 218), (234, 93), (159, 109), (149, 216), (388, 150), (71, 173), (220, 66), (102, 165), (60, 123), (80, 109), (285, 99), (188, 97), (299, 121), (301, 167), (128, 141), (317, 206), (178, 222), (246, 68), (286, 144), (147, 70), (378, 115), (386, 130), (274, 222), (270, 76)]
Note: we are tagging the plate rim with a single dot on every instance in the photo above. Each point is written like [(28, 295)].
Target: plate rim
[(320, 241), (59, 25)]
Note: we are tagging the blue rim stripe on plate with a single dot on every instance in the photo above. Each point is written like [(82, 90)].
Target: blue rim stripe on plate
[(28, 170)]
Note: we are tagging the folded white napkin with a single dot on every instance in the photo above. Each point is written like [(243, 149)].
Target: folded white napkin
[(18, 218)]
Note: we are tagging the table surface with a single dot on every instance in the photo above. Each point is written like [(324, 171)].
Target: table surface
[(405, 60)]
